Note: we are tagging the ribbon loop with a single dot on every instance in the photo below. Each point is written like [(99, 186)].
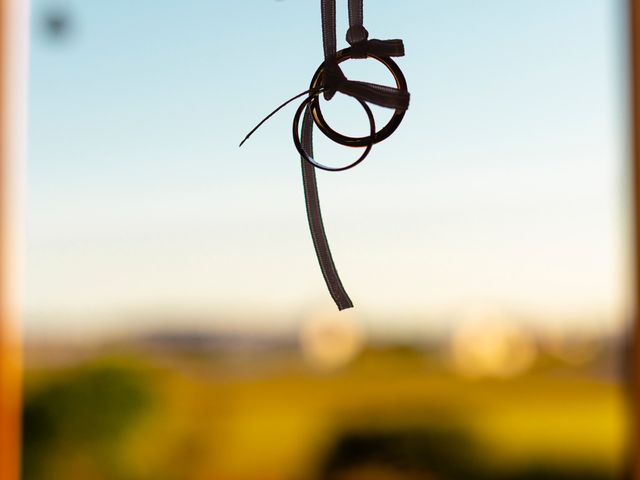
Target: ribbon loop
[(381, 95), (382, 48), (334, 80)]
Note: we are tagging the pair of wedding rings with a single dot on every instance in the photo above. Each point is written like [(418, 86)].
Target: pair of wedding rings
[(375, 136)]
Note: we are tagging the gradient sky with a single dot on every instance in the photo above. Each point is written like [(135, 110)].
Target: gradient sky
[(505, 186)]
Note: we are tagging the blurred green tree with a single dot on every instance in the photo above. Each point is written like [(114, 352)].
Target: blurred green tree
[(83, 414)]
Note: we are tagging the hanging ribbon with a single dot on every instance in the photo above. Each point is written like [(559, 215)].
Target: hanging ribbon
[(329, 80)]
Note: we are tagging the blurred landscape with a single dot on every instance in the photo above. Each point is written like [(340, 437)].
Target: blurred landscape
[(327, 403), (172, 295)]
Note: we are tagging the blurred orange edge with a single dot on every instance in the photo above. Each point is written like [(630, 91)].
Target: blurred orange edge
[(14, 15), (634, 29)]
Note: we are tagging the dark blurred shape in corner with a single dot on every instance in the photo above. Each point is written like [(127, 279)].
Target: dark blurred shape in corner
[(56, 23)]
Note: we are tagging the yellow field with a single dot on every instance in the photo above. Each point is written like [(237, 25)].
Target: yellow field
[(270, 417)]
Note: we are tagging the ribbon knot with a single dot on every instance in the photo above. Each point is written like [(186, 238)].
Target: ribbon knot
[(334, 80), (381, 48)]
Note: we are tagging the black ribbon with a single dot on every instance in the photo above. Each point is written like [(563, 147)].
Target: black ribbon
[(333, 80)]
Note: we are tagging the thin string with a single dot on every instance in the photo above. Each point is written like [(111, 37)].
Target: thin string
[(276, 111)]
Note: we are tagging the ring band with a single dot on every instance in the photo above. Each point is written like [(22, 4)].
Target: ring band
[(376, 137), (296, 136)]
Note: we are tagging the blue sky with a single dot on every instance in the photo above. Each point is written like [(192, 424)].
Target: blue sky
[(504, 186)]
